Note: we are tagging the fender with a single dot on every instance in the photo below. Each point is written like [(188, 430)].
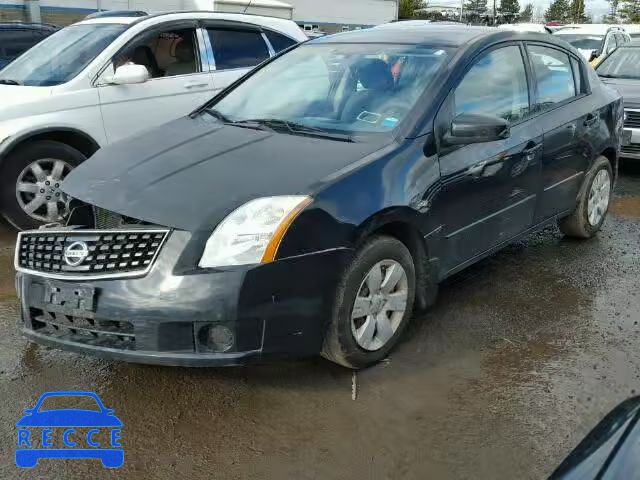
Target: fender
[(12, 141)]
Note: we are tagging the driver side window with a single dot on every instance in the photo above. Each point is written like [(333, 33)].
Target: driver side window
[(495, 85), (167, 53)]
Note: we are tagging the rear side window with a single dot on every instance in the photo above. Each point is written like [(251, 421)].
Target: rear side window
[(554, 75), (496, 84), (237, 48), (279, 42), (16, 41)]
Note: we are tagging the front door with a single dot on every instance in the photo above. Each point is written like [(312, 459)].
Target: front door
[(488, 190), (565, 157), (179, 82)]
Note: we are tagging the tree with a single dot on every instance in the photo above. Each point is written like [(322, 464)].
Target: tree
[(526, 15), (476, 9), (630, 10), (409, 8), (558, 11), (576, 9), (509, 10)]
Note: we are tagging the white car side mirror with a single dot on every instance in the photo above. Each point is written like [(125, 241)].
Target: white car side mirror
[(130, 74)]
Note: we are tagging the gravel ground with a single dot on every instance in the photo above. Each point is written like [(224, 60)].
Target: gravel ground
[(522, 355)]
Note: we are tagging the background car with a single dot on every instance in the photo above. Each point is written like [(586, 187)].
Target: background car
[(621, 70), (104, 79), (17, 38), (594, 41), (116, 13)]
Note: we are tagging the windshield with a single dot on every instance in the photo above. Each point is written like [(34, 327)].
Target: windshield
[(583, 42), (622, 63), (337, 88), (62, 56)]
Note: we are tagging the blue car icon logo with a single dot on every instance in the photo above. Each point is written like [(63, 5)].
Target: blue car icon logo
[(85, 434)]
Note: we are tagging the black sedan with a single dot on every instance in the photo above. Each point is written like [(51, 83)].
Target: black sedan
[(313, 205)]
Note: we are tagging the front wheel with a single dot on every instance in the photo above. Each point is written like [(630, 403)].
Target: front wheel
[(373, 304), (593, 202), (30, 180)]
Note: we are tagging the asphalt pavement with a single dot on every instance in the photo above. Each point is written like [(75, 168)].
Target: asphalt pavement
[(521, 356)]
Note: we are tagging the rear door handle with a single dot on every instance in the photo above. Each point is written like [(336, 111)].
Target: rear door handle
[(529, 153), (190, 85), (591, 119)]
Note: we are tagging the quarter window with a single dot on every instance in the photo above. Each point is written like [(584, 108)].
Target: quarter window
[(496, 85), (279, 42), (237, 48), (554, 75)]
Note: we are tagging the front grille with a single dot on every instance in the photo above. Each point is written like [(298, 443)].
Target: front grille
[(89, 253), (86, 330), (631, 148), (633, 119)]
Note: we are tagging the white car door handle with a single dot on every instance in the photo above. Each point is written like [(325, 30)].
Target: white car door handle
[(190, 85)]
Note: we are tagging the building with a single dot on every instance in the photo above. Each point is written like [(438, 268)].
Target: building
[(317, 15)]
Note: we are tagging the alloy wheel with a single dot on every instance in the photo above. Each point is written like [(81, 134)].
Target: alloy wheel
[(380, 305), (38, 190), (599, 195)]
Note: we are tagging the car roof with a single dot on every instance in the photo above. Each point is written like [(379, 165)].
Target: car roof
[(277, 23), (433, 34)]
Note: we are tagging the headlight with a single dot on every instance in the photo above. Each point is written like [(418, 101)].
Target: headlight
[(253, 232)]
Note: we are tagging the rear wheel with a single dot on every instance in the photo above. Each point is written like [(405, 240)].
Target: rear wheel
[(30, 180), (593, 202), (373, 304)]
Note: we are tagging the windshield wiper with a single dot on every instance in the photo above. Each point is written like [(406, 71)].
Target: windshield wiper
[(6, 81), (294, 128), (216, 114)]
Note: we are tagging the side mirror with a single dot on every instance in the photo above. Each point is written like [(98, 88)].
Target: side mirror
[(130, 75), (469, 128), (594, 54)]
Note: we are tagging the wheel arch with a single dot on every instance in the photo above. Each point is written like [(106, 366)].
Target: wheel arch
[(402, 223), (610, 154), (72, 137)]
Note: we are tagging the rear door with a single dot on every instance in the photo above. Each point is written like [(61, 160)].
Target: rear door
[(236, 50), (566, 120), (488, 192), (179, 83)]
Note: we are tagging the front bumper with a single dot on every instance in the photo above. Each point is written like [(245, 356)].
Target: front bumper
[(275, 310)]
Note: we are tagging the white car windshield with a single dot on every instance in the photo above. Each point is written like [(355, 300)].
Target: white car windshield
[(622, 63), (336, 88), (62, 56)]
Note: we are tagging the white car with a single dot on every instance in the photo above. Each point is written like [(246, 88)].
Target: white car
[(593, 41), (101, 80)]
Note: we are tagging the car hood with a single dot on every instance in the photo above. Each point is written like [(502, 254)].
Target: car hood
[(69, 418), (192, 172), (628, 88)]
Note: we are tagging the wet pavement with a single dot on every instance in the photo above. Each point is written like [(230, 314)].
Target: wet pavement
[(522, 355)]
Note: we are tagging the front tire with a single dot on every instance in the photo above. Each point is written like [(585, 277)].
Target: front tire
[(30, 178), (373, 304), (593, 202)]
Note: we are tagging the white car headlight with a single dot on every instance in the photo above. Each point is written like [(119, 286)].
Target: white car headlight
[(253, 232)]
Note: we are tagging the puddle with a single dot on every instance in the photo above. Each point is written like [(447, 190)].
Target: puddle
[(626, 207), (7, 289)]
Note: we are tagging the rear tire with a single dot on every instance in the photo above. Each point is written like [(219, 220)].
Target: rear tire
[(593, 202), (46, 153), (359, 341)]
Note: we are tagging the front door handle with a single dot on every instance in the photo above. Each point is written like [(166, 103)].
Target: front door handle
[(190, 85), (591, 119), (477, 169)]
